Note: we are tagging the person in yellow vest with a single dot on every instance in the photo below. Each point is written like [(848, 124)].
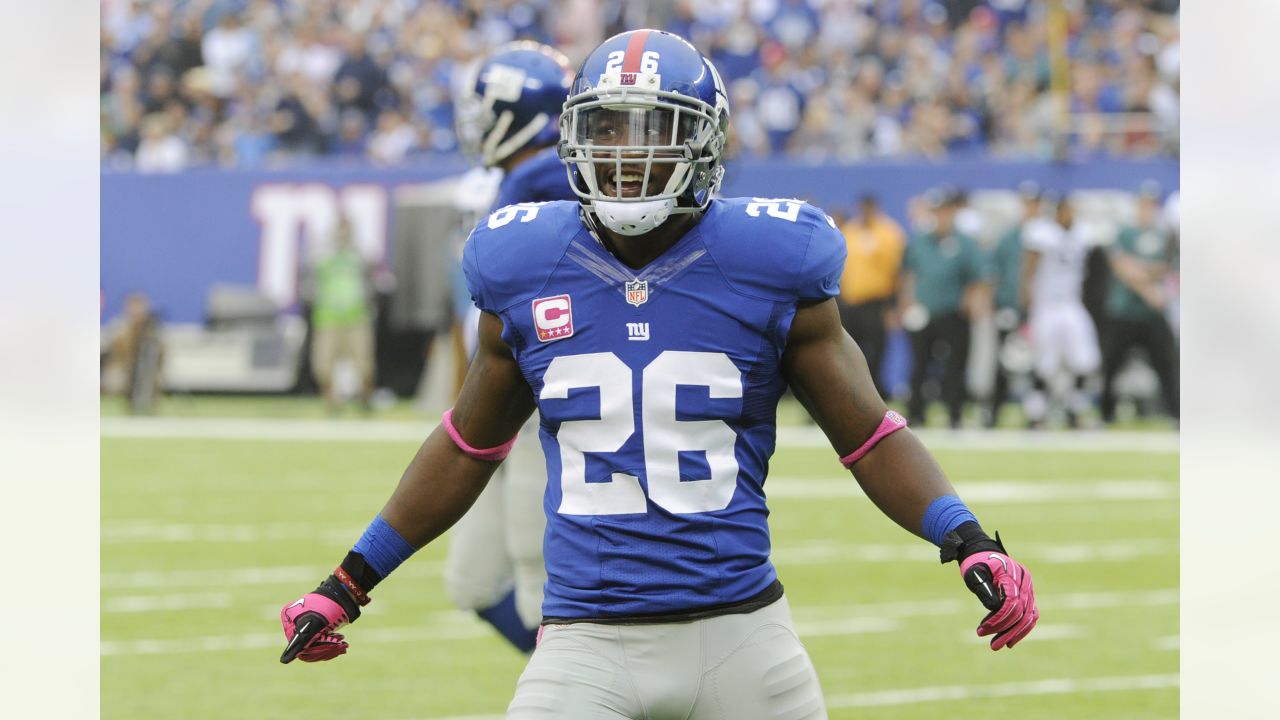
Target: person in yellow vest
[(342, 316), (869, 285)]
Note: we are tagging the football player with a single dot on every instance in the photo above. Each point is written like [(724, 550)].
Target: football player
[(654, 328), (1063, 334), (509, 120)]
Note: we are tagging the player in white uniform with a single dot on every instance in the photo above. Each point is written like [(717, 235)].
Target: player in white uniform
[(1061, 330)]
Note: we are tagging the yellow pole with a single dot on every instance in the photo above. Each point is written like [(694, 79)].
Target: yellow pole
[(1059, 74)]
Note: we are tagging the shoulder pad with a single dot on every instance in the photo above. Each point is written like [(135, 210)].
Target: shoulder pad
[(512, 251), (776, 248)]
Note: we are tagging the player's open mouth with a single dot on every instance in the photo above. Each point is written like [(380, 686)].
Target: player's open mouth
[(630, 182)]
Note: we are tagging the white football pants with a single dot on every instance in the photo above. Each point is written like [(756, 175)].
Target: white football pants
[(1064, 338), (497, 545), (732, 667)]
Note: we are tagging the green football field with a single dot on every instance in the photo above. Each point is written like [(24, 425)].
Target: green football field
[(210, 524)]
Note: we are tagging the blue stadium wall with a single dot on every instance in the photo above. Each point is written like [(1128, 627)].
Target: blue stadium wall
[(175, 236)]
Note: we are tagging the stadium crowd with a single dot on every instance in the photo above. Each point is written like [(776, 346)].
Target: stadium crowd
[(267, 82)]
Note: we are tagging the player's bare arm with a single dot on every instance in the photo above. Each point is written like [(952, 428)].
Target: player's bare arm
[(827, 371), (829, 375), (441, 483)]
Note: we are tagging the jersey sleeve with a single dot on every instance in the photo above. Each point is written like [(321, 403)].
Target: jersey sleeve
[(823, 262), (510, 254), (476, 285)]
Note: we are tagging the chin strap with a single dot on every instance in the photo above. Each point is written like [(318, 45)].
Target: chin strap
[(636, 218), (592, 222)]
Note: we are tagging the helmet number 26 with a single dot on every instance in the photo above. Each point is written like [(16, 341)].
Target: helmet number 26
[(648, 62)]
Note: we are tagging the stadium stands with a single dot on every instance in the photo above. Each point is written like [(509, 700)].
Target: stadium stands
[(268, 82)]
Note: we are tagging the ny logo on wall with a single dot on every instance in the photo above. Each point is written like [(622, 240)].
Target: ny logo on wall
[(298, 220)]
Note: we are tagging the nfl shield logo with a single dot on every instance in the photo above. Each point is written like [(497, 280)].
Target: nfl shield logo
[(637, 292)]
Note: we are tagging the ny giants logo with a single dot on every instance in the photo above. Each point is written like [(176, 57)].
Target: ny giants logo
[(553, 318), (627, 78)]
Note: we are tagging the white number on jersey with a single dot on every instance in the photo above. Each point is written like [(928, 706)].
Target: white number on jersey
[(665, 437), (784, 208), (507, 214)]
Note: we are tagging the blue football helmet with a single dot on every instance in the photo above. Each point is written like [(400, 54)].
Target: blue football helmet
[(513, 101), (643, 131)]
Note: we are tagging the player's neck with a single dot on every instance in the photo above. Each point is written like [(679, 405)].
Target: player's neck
[(636, 252)]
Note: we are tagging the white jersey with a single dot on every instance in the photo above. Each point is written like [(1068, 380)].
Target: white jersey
[(1059, 275)]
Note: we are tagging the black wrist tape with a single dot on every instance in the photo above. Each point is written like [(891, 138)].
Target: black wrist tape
[(968, 538), (360, 571), (333, 589)]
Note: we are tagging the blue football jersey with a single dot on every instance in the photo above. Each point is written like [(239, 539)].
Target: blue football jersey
[(540, 178), (657, 392)]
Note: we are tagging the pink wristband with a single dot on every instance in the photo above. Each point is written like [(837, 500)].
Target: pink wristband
[(891, 423), (493, 454)]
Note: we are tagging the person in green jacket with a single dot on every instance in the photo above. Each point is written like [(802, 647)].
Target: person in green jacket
[(341, 293), (1141, 260)]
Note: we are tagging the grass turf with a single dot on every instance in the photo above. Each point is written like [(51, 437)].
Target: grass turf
[(203, 540)]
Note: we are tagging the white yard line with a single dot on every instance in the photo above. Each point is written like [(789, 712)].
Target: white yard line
[(814, 555), (779, 488), (257, 429), (166, 603), (821, 621), (788, 436), (1009, 491), (166, 579), (1066, 554), (809, 554), (1054, 686)]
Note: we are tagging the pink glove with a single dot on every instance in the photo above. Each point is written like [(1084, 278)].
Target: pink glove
[(1004, 586), (309, 626)]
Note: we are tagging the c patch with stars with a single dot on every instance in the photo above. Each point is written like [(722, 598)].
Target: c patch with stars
[(553, 318)]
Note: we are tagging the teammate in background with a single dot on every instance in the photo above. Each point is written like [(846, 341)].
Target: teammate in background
[(339, 287), (510, 119), (1006, 275), (869, 285), (944, 284), (1137, 303), (1061, 330), (654, 329)]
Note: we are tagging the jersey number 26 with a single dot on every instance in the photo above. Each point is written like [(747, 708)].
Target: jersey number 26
[(665, 436)]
